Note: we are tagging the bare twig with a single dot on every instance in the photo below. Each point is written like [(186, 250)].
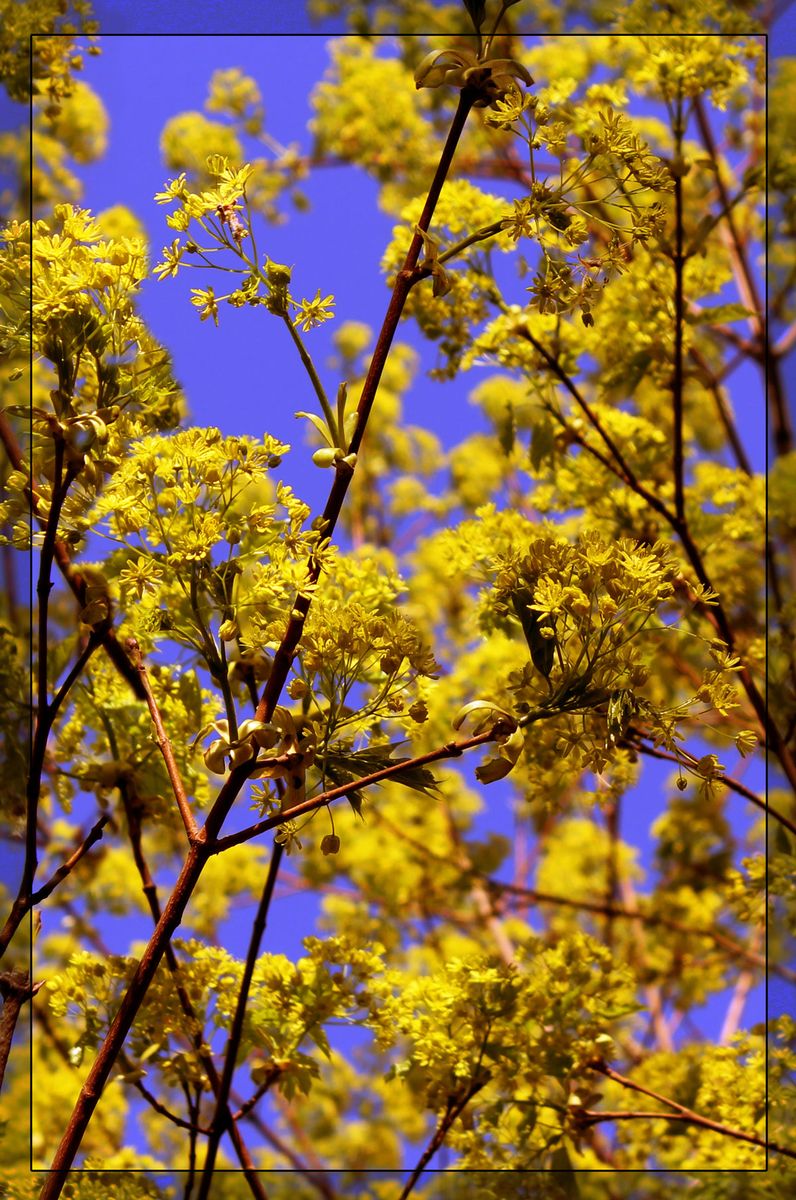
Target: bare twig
[(16, 989), (164, 742), (735, 785), (221, 1118), (453, 1109), (781, 420), (193, 1027), (687, 1114), (91, 838), (534, 895)]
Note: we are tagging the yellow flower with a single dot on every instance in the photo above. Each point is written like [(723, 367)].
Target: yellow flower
[(205, 301), (176, 189), (314, 312)]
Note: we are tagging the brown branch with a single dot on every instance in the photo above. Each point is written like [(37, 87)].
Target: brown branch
[(91, 838), (312, 1176), (648, 918), (627, 474), (786, 342), (164, 742), (729, 781), (163, 1111), (246, 1106), (45, 713), (688, 1114), (449, 750), (678, 262), (150, 892), (92, 642), (63, 561), (221, 1118), (198, 853), (25, 899), (781, 420), (717, 616), (16, 989), (453, 1109)]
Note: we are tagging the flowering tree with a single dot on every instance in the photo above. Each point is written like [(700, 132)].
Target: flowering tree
[(223, 680)]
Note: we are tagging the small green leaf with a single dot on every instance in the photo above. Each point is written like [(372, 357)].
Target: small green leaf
[(542, 648), (320, 425), (477, 11), (345, 767), (506, 430), (542, 442), (487, 710)]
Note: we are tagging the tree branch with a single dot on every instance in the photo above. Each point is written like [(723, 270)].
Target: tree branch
[(717, 616), (151, 894), (648, 918), (687, 1114), (453, 1109), (733, 784), (92, 837), (222, 1118), (449, 750), (164, 742), (783, 430), (678, 468), (16, 989)]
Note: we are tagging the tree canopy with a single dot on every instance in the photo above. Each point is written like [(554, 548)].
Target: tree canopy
[(496, 715)]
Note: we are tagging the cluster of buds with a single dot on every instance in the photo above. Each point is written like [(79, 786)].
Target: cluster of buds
[(228, 215)]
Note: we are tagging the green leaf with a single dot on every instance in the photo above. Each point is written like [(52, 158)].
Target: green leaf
[(345, 767), (488, 710), (542, 648), (506, 429), (542, 442), (320, 425), (477, 11)]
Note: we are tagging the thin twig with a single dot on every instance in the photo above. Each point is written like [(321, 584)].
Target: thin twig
[(164, 742), (92, 642), (689, 1115), (309, 1170), (729, 781), (194, 1028), (781, 420), (449, 750), (648, 918), (453, 1109), (221, 1118), (63, 561), (91, 838)]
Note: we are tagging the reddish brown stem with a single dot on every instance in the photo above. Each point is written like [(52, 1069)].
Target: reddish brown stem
[(688, 1114), (449, 750), (221, 1118), (780, 414), (164, 742)]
